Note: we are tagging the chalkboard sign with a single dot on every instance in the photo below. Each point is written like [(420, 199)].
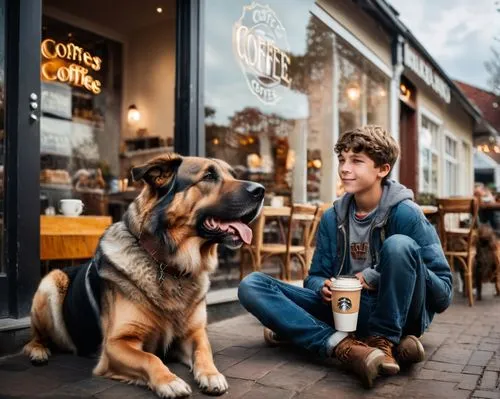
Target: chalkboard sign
[(56, 100)]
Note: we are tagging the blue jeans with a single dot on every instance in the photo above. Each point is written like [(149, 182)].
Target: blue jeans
[(299, 315)]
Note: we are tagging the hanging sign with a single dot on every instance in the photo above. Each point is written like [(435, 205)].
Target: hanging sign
[(414, 62)]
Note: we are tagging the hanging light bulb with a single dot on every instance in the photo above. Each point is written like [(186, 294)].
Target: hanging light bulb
[(353, 92), (133, 115)]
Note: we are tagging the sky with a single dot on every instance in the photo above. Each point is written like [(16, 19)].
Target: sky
[(458, 34)]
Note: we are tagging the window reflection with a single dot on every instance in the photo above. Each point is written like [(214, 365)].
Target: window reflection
[(272, 71)]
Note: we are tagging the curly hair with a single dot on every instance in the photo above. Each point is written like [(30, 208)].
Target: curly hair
[(374, 141)]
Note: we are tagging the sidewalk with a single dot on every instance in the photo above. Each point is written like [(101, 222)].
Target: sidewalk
[(462, 361)]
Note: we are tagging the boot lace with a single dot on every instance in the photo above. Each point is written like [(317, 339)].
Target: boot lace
[(381, 343), (345, 348)]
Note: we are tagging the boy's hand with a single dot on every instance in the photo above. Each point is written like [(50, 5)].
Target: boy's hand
[(326, 293), (361, 279)]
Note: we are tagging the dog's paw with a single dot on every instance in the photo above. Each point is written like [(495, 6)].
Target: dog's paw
[(213, 384), (177, 388)]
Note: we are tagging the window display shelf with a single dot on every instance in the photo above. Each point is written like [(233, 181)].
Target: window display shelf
[(55, 186), (131, 154)]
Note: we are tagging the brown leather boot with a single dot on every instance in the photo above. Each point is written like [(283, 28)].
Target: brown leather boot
[(272, 339), (389, 366), (360, 358), (410, 350)]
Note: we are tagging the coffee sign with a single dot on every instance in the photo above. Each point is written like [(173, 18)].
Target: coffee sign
[(261, 48), (414, 62), (69, 63)]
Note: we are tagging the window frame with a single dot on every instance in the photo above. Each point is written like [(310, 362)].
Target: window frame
[(454, 161), (425, 113)]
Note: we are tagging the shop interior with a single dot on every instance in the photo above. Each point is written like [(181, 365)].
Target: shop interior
[(107, 103)]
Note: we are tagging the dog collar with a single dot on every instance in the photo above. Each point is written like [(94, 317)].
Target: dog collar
[(156, 251)]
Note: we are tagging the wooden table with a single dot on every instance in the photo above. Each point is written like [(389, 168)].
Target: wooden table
[(67, 237)]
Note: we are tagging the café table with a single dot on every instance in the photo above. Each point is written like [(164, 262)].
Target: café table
[(69, 238)]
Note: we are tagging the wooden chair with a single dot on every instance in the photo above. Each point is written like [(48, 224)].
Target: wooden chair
[(460, 243), (308, 216), (260, 250)]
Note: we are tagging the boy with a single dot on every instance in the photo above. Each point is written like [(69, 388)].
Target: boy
[(377, 233)]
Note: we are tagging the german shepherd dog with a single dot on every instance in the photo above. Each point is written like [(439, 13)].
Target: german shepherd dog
[(143, 293)]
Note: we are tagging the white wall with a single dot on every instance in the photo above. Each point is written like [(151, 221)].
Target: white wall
[(149, 79)]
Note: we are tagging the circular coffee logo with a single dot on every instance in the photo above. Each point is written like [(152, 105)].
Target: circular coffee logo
[(262, 50), (344, 304)]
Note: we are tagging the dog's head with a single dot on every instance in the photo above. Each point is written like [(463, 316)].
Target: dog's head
[(190, 197)]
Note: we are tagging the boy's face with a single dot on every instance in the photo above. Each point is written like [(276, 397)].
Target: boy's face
[(358, 172)]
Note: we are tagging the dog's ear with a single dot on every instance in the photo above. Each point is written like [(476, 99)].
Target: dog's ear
[(159, 173)]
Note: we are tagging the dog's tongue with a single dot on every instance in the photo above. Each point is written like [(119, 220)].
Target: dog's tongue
[(243, 230)]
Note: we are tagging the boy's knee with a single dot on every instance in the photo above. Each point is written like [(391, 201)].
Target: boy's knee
[(250, 285), (399, 244)]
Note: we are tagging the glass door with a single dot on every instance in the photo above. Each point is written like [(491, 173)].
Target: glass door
[(20, 33)]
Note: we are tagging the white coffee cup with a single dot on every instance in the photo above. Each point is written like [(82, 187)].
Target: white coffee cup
[(71, 207), (346, 297)]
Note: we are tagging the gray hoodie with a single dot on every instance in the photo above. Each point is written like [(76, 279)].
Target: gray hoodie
[(393, 193)]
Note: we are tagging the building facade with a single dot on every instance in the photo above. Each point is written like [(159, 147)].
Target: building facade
[(269, 87)]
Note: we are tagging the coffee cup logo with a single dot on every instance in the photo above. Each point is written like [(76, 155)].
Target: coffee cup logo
[(344, 304), (261, 48)]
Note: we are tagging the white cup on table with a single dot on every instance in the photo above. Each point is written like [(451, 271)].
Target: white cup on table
[(71, 207)]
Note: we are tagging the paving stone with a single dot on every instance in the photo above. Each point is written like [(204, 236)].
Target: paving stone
[(260, 392), (494, 363), (481, 330), (433, 390), (89, 386), (238, 352), (468, 382), (486, 394), (452, 354), (385, 390), (224, 362), (332, 388), (254, 367), (122, 390), (438, 366), (489, 380), (480, 358), (291, 376), (23, 383), (469, 339), (237, 388), (473, 370), (439, 376)]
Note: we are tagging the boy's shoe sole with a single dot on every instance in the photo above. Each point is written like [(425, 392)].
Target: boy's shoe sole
[(271, 338), (373, 363), (410, 350)]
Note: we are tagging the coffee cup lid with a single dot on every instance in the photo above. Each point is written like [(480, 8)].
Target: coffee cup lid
[(346, 283)]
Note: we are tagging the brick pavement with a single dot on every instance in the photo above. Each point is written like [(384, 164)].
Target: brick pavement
[(462, 361)]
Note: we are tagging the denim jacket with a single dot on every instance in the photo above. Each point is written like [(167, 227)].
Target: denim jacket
[(397, 214)]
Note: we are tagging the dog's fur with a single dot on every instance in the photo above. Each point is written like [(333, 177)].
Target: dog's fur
[(487, 261), (145, 307)]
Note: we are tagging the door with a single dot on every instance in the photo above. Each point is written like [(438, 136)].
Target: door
[(408, 174), (20, 33)]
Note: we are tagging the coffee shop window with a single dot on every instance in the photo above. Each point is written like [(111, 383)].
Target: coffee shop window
[(80, 123), (268, 112), (107, 100)]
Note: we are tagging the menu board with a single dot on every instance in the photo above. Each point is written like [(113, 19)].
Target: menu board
[(55, 136), (56, 100)]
